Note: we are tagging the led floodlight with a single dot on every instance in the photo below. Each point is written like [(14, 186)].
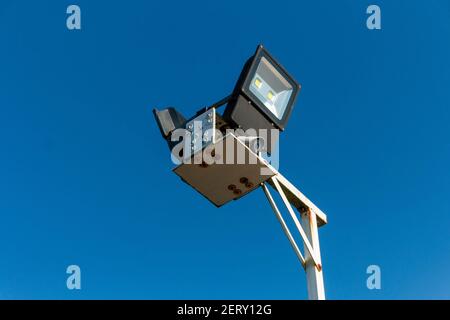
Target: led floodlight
[(265, 85)]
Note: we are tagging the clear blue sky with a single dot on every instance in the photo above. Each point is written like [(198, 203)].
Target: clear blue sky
[(86, 179)]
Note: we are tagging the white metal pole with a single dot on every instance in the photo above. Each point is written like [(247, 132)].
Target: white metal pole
[(314, 274)]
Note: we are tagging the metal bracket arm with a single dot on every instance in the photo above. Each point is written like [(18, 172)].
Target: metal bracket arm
[(311, 262), (284, 226)]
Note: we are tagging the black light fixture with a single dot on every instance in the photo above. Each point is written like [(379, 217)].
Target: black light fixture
[(263, 98), (264, 95)]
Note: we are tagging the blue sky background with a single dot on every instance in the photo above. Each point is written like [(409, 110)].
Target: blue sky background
[(86, 179)]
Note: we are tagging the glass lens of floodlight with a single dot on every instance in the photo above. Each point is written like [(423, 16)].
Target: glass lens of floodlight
[(271, 88)]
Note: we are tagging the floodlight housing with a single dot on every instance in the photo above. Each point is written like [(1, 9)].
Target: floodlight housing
[(168, 120), (266, 87)]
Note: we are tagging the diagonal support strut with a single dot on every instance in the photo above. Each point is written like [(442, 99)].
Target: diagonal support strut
[(308, 229)]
